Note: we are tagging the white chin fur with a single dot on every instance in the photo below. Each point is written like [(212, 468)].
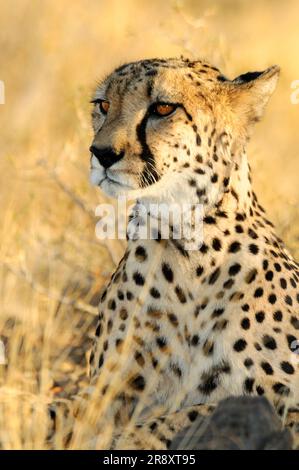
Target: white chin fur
[(96, 175), (113, 189), (95, 163)]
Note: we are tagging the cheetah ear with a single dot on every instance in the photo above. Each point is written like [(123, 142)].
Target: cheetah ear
[(250, 93)]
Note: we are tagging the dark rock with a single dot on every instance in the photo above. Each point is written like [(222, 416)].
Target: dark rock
[(238, 423)]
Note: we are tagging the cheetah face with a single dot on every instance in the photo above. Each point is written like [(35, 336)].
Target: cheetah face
[(172, 129)]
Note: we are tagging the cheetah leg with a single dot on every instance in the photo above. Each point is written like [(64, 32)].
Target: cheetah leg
[(159, 433), (292, 422), (61, 421)]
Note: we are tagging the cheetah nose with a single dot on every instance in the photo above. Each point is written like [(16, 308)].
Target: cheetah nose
[(106, 155)]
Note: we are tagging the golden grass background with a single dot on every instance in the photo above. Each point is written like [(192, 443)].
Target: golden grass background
[(51, 265)]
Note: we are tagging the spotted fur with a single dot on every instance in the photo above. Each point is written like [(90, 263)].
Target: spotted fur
[(179, 330)]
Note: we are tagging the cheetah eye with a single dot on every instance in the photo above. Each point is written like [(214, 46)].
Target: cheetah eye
[(163, 109), (104, 105)]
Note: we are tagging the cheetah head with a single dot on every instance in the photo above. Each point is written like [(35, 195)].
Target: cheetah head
[(169, 129)]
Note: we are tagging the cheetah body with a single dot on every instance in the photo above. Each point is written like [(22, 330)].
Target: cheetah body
[(182, 328)]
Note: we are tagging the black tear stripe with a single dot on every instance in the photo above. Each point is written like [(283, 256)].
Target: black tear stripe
[(189, 117), (149, 174)]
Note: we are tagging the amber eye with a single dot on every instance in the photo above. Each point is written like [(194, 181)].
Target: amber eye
[(164, 109), (104, 106)]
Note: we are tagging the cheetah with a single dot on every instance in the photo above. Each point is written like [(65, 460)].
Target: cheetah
[(179, 329)]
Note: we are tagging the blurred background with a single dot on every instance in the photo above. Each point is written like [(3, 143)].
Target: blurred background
[(52, 267)]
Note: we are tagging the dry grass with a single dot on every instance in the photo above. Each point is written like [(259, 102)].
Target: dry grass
[(51, 265)]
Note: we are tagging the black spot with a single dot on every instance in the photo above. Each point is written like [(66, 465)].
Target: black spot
[(208, 347), (245, 323), (258, 292), (267, 368), (240, 217), (139, 358), (269, 275), (248, 362), (151, 73), (176, 369), (180, 295), (260, 316), (138, 278), (153, 426), (161, 342), (260, 390), (209, 220), (138, 383), (272, 299), (240, 345), (234, 269), (239, 229), (130, 296), (209, 384), (204, 248), (269, 342), (173, 319), (248, 385), (155, 293), (111, 304), (216, 244), (287, 367), (281, 389), (295, 322), (217, 312), (265, 264), (250, 277), (254, 249), (192, 415), (167, 271), (120, 295), (252, 234), (140, 253), (234, 247), (199, 271), (101, 360), (277, 316), (195, 340), (214, 276), (103, 296), (123, 314)]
